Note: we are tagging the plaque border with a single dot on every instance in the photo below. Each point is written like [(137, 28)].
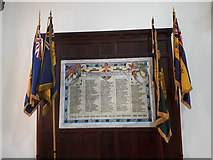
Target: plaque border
[(63, 125)]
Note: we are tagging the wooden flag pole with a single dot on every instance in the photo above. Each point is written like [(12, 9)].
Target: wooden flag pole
[(54, 137), (53, 100)]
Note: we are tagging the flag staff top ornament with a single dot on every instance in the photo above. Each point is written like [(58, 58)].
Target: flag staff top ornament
[(181, 73), (162, 112), (39, 17)]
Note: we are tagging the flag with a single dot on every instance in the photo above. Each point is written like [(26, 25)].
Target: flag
[(162, 112), (32, 98), (181, 73), (48, 84)]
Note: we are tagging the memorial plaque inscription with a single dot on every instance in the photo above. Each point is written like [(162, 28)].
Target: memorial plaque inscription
[(106, 93)]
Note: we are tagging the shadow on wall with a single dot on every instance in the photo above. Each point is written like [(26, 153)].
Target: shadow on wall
[(2, 5)]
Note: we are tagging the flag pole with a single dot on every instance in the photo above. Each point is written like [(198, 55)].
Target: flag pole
[(39, 17), (54, 136), (53, 101), (176, 89)]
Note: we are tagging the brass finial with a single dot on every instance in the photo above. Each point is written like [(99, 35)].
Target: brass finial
[(153, 21), (50, 13), (173, 10), (39, 18)]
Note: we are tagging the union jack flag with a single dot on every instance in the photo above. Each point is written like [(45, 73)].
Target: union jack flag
[(47, 35), (38, 45), (181, 73), (32, 98)]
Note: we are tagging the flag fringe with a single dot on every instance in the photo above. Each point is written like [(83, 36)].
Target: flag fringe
[(166, 138)]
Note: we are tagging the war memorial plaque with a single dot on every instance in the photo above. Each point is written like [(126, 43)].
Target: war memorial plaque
[(106, 93)]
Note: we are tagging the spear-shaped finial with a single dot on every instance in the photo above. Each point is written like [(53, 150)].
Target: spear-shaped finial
[(173, 10), (153, 35), (39, 18), (152, 21), (50, 13)]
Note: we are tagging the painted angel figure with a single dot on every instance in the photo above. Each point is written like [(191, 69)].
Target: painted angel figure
[(139, 72), (72, 74), (106, 68)]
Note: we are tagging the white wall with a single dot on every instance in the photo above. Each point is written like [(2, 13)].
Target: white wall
[(19, 24), (211, 57), (0, 84)]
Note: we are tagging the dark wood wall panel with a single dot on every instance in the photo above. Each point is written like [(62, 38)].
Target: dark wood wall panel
[(107, 49), (45, 145), (107, 144), (46, 125), (111, 142), (84, 50), (132, 48), (70, 144), (144, 148), (125, 145), (163, 47), (90, 146)]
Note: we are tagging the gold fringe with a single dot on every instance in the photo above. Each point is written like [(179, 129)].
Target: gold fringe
[(29, 114), (46, 86), (160, 121), (159, 78), (45, 89), (164, 136), (177, 84), (45, 96), (187, 90), (164, 115), (35, 97), (184, 102), (32, 98), (183, 93)]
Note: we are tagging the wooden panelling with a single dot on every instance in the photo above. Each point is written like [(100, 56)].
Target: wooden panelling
[(144, 149), (80, 50), (132, 48), (90, 147), (107, 144), (69, 145), (45, 145), (111, 142), (107, 49), (46, 125), (125, 144)]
